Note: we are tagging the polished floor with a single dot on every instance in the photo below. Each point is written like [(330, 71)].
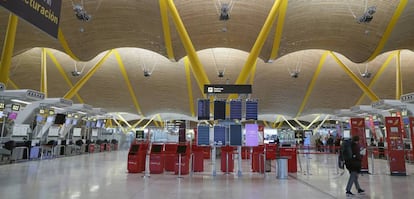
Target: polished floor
[(105, 176)]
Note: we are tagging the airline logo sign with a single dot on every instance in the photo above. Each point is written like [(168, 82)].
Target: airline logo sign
[(392, 121), (44, 14)]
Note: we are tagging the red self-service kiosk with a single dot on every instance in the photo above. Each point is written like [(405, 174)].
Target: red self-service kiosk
[(170, 156), (395, 146), (157, 158), (183, 158), (198, 159), (411, 154), (136, 157), (227, 161), (358, 128)]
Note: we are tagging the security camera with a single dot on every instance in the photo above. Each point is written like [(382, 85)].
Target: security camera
[(147, 73), (294, 74), (76, 73)]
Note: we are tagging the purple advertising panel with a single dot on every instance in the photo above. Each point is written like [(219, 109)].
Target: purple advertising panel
[(252, 139)]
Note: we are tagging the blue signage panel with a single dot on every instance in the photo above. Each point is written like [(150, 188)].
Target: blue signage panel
[(251, 110), (44, 14), (219, 135), (236, 135), (203, 109), (203, 135), (236, 110)]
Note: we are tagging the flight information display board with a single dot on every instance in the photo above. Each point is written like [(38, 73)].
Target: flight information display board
[(203, 135), (219, 109), (219, 135), (236, 135), (235, 109), (203, 109), (251, 110)]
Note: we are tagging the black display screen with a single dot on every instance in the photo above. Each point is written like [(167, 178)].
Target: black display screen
[(156, 148), (134, 148), (181, 149), (219, 110), (60, 118)]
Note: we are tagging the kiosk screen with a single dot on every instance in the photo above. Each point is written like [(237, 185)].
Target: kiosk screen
[(181, 149), (156, 149)]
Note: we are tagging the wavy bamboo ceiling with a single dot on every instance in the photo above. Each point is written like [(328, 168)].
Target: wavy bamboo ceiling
[(309, 29)]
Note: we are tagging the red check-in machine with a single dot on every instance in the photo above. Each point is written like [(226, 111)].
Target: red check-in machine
[(227, 161), (182, 162), (411, 155), (198, 159), (136, 157), (170, 156), (358, 128), (395, 146), (157, 159)]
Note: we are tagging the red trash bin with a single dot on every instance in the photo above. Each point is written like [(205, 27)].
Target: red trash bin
[(227, 161)]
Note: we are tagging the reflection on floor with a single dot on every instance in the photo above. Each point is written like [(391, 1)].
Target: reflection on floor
[(104, 175)]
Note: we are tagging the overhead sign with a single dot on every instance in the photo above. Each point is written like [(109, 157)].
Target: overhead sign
[(227, 89), (44, 14), (407, 97)]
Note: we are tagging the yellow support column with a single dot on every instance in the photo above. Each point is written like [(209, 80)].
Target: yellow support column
[(197, 68), (166, 29), (390, 28), (65, 45), (12, 84), (8, 46), (360, 84), (312, 83), (189, 90), (43, 73), (279, 30), (257, 47), (377, 76), (87, 76), (63, 73), (127, 82), (398, 78)]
